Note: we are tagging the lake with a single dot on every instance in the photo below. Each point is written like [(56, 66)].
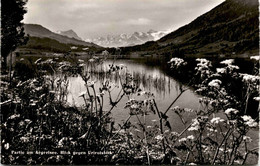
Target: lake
[(148, 78)]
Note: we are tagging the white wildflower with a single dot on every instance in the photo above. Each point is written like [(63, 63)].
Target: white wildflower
[(246, 118), (73, 47), (21, 123), (194, 125), (249, 121), (221, 70), (257, 98), (232, 67), (174, 133), (231, 111), (60, 143), (257, 58), (247, 139), (210, 129), (202, 60), (81, 61), (216, 120), (90, 83), (229, 150), (177, 62), (166, 131), (206, 149), (81, 65), (188, 110), (14, 116), (203, 66), (24, 139), (122, 131), (91, 60), (182, 139), (134, 106), (191, 137), (215, 83), (176, 108), (159, 137), (157, 156), (227, 61), (6, 146), (52, 91), (250, 78), (27, 120)]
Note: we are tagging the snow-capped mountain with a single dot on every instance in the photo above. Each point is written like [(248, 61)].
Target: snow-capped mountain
[(70, 33), (128, 39)]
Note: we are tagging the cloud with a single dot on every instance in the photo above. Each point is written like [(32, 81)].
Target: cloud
[(139, 21)]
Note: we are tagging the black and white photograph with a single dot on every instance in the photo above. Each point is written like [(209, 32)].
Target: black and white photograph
[(129, 82)]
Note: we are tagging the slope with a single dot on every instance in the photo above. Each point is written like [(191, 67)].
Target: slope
[(36, 30), (229, 28)]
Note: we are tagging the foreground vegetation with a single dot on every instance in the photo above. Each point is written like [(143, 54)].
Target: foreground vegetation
[(37, 118)]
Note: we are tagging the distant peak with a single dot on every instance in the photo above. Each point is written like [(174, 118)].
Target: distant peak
[(70, 33), (151, 31), (70, 30)]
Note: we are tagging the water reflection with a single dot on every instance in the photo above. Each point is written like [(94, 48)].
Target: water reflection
[(148, 78)]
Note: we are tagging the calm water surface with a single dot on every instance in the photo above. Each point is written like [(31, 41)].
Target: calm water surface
[(149, 78)]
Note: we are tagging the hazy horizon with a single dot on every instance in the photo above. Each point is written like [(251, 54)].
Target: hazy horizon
[(99, 18)]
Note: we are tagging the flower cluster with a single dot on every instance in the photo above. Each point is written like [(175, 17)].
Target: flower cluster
[(249, 121), (229, 67), (195, 126), (216, 120), (250, 78), (177, 62), (203, 68), (215, 83), (257, 57), (227, 61), (221, 70), (231, 111)]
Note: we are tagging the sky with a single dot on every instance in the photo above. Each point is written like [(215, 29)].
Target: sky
[(95, 18)]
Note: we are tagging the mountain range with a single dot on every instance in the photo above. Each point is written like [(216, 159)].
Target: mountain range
[(71, 37), (230, 28), (123, 40), (66, 37)]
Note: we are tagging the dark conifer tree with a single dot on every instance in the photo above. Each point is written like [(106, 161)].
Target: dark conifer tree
[(12, 31)]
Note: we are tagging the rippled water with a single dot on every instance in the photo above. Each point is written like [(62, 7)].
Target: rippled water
[(149, 78)]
